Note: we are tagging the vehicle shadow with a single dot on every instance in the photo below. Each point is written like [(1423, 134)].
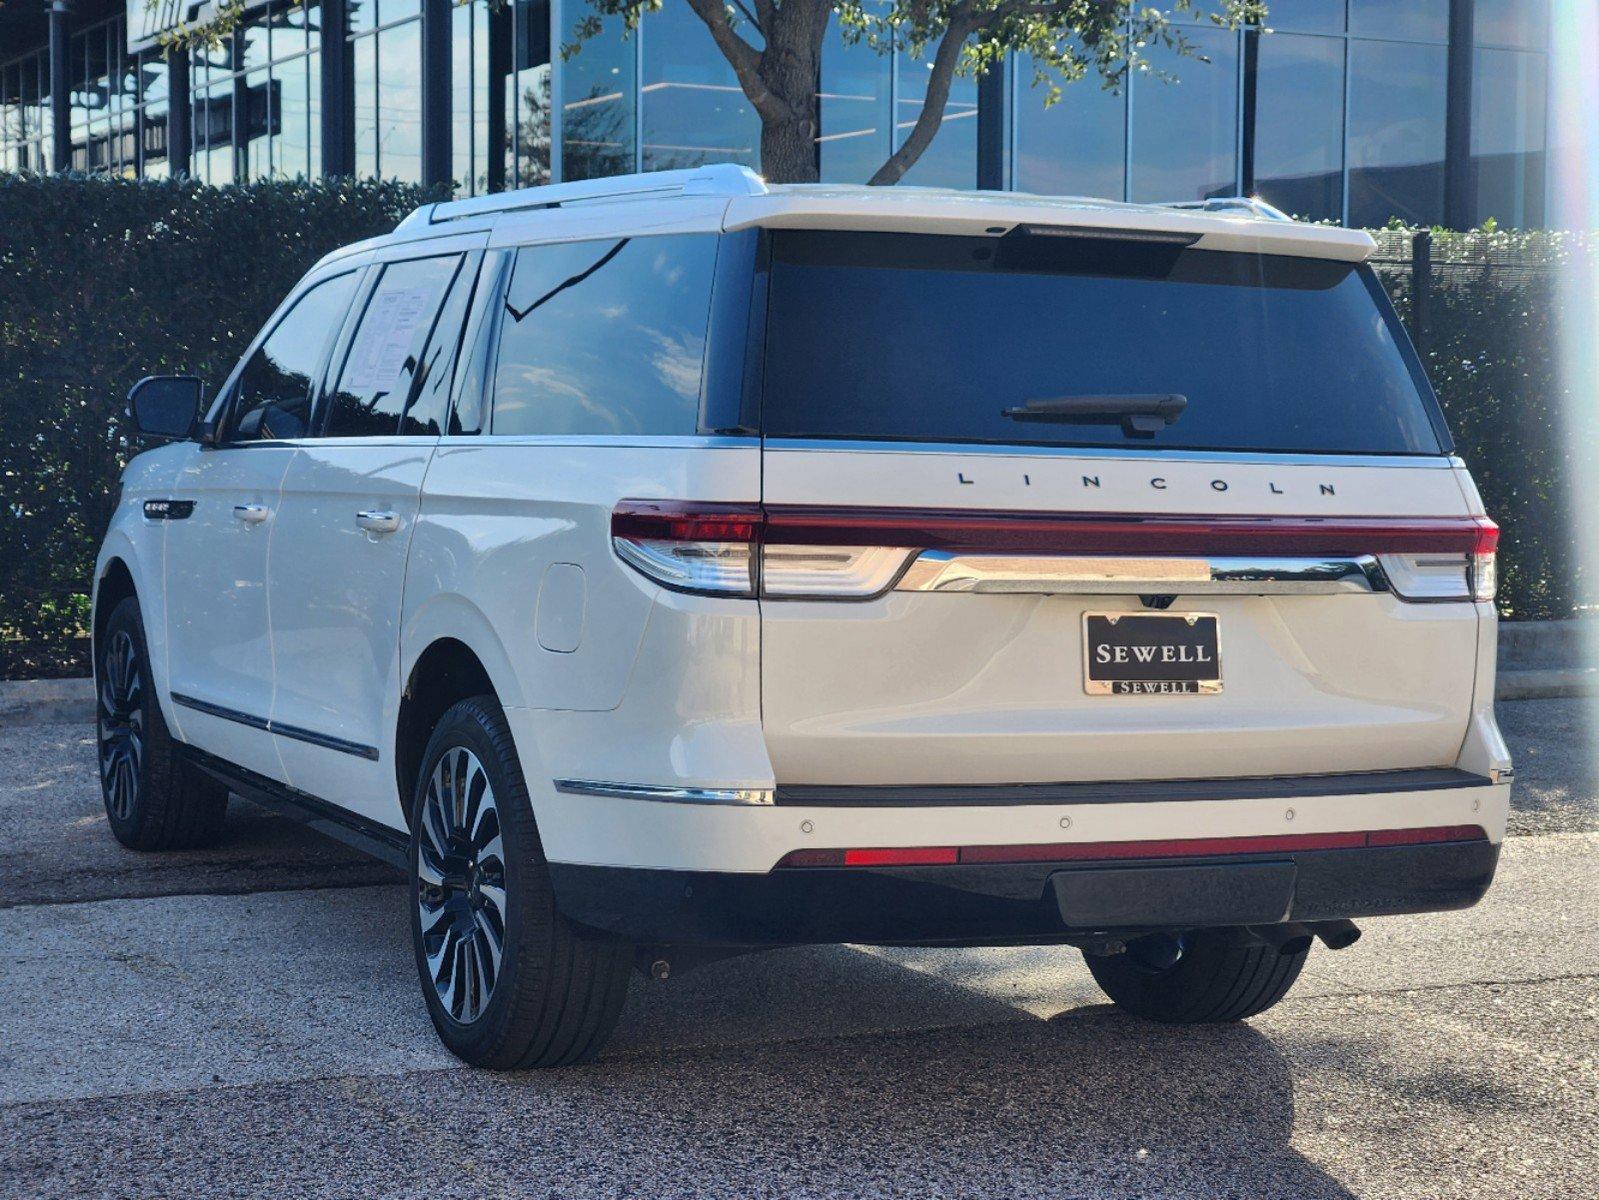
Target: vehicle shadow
[(909, 1077)]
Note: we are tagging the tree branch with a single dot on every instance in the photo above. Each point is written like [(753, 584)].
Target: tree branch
[(744, 58), (961, 26)]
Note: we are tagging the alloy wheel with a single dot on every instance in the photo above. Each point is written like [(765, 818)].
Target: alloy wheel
[(121, 725), (460, 873)]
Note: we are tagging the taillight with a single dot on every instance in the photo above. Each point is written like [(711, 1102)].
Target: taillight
[(722, 550), (1485, 563), (709, 548), (795, 552)]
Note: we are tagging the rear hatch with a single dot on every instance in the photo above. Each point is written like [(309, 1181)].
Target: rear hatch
[(1054, 505)]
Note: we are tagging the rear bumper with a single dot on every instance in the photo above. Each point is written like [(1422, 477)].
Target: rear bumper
[(1018, 903)]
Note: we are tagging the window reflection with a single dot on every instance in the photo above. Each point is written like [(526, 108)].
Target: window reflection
[(1306, 16), (855, 134), (1523, 23), (1185, 132), (605, 337), (1424, 19), (1074, 148), (1299, 125), (1396, 132), (600, 85), (694, 110), (1507, 136), (950, 160)]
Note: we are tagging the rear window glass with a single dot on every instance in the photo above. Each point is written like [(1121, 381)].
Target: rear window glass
[(935, 339), (605, 337)]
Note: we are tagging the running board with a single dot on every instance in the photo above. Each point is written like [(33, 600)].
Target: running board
[(381, 842)]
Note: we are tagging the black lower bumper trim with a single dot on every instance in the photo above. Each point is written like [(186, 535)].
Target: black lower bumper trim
[(1022, 903)]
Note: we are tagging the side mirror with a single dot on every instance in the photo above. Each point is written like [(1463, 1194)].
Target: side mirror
[(164, 407)]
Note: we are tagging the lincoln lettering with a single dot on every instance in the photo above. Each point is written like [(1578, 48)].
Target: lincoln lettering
[(1106, 655)]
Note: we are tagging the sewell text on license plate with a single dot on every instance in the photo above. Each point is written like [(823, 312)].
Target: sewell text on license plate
[(1151, 654)]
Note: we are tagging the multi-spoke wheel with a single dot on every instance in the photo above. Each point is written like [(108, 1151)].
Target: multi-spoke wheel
[(508, 981), (460, 870), (153, 799), (121, 725)]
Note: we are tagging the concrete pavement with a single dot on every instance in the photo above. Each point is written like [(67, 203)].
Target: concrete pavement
[(242, 1022)]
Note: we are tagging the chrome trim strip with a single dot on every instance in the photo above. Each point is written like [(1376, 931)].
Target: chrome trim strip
[(681, 795), (309, 736), (1437, 462), (1048, 574)]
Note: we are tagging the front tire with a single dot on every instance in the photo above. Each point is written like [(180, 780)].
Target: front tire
[(509, 982), (153, 799), (1221, 975)]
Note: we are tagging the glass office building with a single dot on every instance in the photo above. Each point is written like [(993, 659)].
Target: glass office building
[(1354, 111)]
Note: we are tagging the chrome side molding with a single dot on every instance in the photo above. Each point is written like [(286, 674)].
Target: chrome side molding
[(941, 571), (679, 795)]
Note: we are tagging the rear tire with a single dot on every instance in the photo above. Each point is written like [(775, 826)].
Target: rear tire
[(509, 982), (154, 800), (1222, 975)]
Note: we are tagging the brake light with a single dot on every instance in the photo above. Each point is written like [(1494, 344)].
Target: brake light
[(797, 551), (707, 548), (1485, 562), (721, 549)]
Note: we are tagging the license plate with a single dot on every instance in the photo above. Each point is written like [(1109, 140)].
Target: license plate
[(1151, 654)]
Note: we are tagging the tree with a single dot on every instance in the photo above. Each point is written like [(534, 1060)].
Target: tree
[(775, 50)]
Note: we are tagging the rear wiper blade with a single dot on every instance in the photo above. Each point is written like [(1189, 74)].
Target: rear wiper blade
[(1138, 415)]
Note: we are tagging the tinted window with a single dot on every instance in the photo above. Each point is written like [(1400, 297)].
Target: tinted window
[(425, 416), (605, 337), (1076, 147), (273, 396), (381, 363), (932, 338)]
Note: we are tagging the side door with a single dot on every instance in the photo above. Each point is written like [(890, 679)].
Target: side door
[(349, 505), (219, 648)]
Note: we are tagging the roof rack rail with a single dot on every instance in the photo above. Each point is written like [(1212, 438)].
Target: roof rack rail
[(717, 179), (1251, 205)]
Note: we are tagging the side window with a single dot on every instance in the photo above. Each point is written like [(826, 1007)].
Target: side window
[(272, 398), (424, 417), (605, 337), (383, 358)]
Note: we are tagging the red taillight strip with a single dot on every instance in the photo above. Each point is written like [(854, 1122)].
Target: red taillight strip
[(1118, 533), (1050, 533), (674, 521), (922, 856)]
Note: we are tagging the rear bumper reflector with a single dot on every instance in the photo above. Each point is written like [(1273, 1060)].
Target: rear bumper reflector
[(918, 856)]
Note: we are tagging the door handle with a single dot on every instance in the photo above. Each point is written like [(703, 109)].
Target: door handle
[(377, 520), (251, 514)]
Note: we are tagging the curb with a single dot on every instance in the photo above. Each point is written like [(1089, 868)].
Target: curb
[(40, 701), (46, 701)]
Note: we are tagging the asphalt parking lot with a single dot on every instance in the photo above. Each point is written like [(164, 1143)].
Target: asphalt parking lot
[(245, 1021)]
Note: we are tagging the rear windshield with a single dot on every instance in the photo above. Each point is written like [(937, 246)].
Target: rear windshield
[(1041, 339)]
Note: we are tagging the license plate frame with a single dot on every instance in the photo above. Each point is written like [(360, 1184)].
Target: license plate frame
[(1193, 668)]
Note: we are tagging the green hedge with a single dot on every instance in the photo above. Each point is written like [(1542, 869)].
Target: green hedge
[(1489, 333), (103, 280)]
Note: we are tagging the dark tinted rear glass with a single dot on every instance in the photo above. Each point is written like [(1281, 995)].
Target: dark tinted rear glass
[(930, 339)]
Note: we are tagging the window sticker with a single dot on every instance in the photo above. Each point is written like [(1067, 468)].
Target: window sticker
[(383, 346)]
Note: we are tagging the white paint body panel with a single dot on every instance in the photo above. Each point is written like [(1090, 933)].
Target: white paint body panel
[(218, 625), (336, 592)]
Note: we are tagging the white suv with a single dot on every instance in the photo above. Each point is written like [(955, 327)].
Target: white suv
[(663, 566)]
